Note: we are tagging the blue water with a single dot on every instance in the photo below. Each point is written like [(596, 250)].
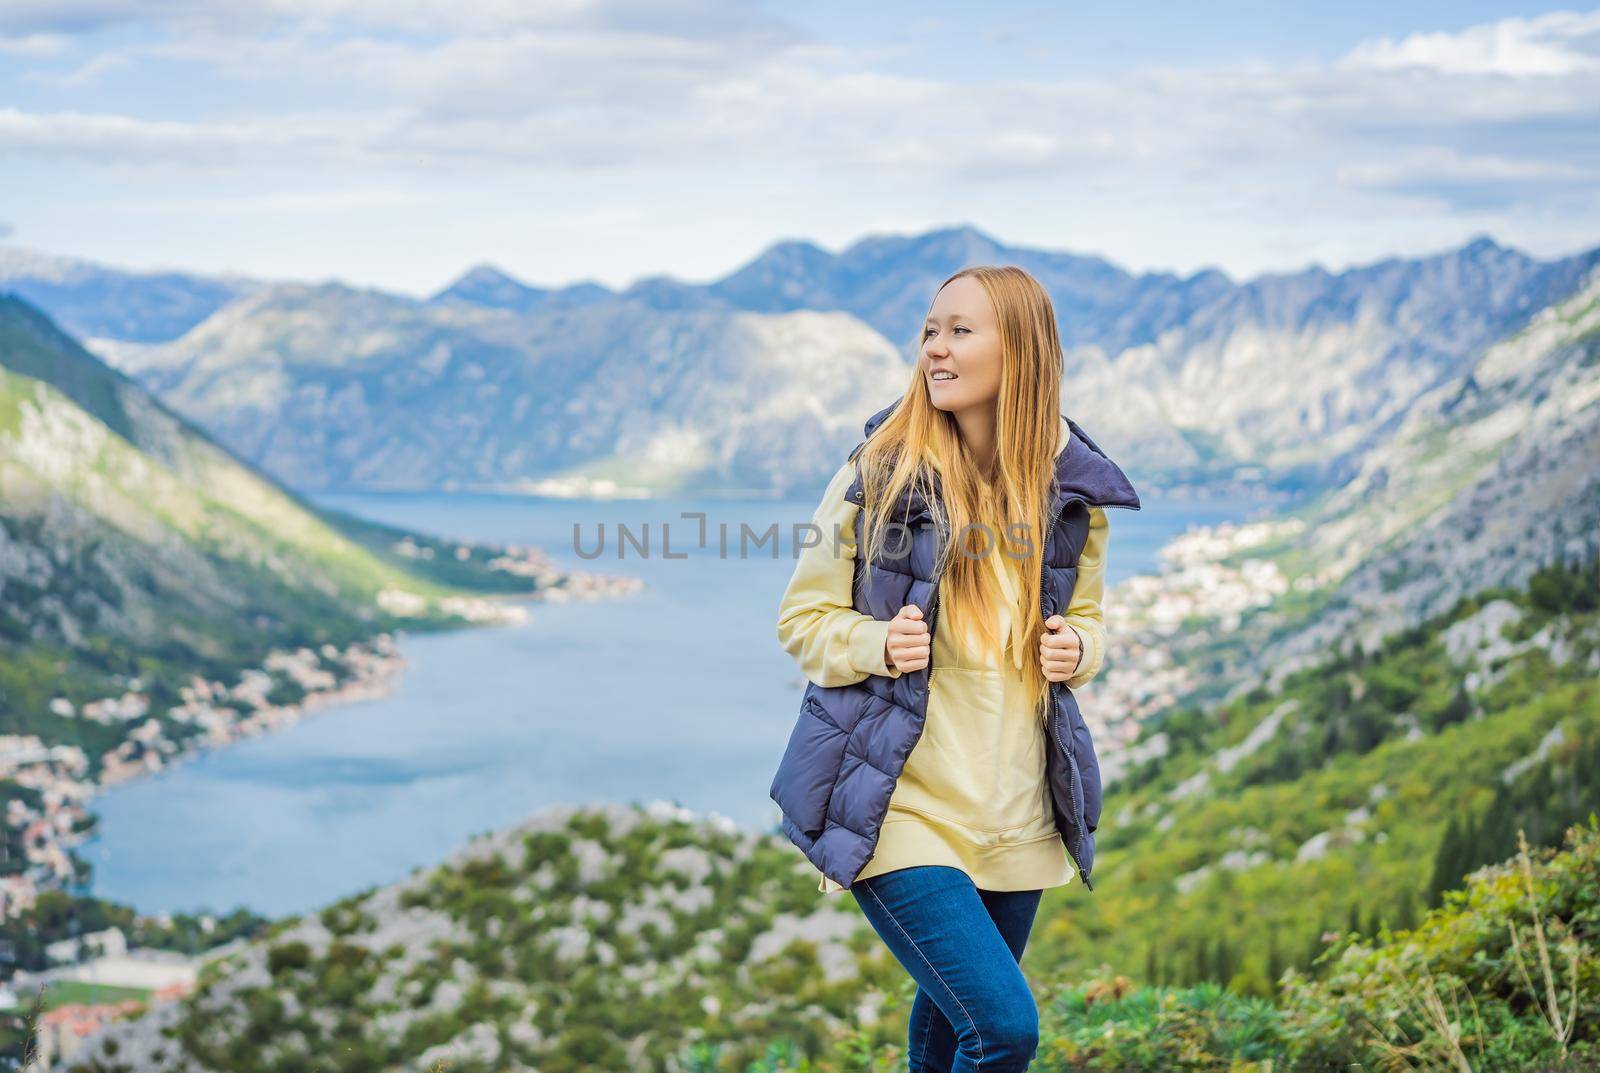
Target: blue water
[(679, 692)]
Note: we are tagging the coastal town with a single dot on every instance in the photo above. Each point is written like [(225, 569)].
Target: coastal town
[(1208, 576)]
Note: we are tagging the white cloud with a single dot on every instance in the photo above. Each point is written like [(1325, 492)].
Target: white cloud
[(351, 93), (1552, 45)]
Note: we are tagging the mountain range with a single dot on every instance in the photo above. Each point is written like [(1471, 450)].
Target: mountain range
[(758, 381)]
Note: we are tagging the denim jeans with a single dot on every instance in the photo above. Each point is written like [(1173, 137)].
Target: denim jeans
[(973, 1012)]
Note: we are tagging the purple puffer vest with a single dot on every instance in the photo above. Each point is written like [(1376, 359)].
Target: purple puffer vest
[(850, 742)]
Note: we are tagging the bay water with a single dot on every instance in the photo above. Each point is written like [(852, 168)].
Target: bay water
[(678, 693)]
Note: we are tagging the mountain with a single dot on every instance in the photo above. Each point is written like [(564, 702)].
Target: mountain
[(490, 287), (1487, 477), (94, 301), (1305, 372), (888, 281), (1490, 476), (1199, 374), (127, 518), (334, 387), (140, 558), (160, 597), (1288, 379)]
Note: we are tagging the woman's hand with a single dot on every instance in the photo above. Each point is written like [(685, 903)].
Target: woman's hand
[(1060, 650), (906, 648)]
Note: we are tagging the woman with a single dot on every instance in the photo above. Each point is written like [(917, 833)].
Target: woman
[(966, 792)]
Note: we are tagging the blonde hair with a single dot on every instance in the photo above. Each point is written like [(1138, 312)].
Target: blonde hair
[(917, 438)]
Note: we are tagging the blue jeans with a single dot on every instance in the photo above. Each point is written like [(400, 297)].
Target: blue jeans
[(973, 1012)]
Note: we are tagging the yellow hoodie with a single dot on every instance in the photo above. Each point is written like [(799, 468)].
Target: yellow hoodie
[(973, 792)]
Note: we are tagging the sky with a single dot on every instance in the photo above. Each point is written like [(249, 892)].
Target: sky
[(396, 143)]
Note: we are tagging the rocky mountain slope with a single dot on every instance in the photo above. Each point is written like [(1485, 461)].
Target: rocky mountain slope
[(1488, 477), (602, 938), (333, 387), (124, 520), (1491, 475)]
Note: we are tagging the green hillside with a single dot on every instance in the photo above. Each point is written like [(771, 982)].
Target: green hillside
[(1502, 978), (1342, 798), (141, 551)]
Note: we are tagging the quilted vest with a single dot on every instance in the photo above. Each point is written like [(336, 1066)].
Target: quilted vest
[(849, 744)]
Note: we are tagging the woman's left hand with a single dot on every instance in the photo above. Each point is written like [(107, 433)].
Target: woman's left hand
[(1060, 650)]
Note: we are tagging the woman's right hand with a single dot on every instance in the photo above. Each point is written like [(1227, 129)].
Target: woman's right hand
[(906, 648)]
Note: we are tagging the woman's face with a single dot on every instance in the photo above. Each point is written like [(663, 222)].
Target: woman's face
[(961, 347)]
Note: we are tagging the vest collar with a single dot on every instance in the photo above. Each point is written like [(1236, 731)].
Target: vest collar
[(1083, 470)]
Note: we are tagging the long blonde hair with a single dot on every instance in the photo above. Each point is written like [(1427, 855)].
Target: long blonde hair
[(917, 437)]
